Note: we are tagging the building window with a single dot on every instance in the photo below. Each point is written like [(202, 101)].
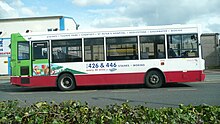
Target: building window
[(1, 44)]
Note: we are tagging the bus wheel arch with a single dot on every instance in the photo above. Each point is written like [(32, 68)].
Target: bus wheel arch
[(154, 78), (66, 81)]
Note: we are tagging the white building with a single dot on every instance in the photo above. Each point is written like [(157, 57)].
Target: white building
[(34, 24)]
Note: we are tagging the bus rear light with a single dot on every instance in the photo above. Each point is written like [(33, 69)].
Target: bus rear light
[(203, 76)]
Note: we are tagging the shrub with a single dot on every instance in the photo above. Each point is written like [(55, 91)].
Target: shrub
[(78, 113)]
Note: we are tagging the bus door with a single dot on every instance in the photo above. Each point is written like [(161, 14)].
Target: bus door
[(40, 58)]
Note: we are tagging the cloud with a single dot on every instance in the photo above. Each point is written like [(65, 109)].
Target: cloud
[(209, 22), (157, 12), (7, 11), (27, 11), (124, 13), (91, 2), (116, 22), (14, 8)]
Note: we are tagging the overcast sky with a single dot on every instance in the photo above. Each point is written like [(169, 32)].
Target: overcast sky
[(120, 13)]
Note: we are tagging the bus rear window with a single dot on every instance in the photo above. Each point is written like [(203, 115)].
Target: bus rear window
[(23, 51)]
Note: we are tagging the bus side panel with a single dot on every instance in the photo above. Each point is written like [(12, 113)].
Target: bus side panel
[(37, 81), (181, 76), (109, 79)]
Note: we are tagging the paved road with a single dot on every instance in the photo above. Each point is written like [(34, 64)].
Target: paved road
[(169, 96)]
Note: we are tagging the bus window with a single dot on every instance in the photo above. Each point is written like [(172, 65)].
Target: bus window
[(94, 49), (152, 47), (182, 46), (40, 50), (67, 50), (23, 51), (121, 48)]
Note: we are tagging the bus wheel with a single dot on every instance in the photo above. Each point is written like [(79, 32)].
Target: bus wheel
[(154, 79), (66, 82)]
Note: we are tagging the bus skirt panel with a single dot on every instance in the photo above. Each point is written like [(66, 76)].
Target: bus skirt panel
[(109, 79)]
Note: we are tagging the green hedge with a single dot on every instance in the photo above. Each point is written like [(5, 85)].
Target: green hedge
[(78, 113)]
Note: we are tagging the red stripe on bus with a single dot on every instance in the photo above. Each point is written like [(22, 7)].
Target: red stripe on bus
[(110, 79)]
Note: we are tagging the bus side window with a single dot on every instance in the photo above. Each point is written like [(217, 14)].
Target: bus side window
[(152, 47), (94, 49), (61, 55), (160, 54), (171, 53), (40, 50), (144, 55), (182, 45), (122, 48), (67, 50)]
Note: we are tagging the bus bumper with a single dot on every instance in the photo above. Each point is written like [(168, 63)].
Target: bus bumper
[(38, 81)]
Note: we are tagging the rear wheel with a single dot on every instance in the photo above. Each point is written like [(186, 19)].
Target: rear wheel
[(154, 79), (66, 82)]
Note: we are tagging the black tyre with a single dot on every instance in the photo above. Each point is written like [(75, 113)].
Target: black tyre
[(66, 82), (154, 79)]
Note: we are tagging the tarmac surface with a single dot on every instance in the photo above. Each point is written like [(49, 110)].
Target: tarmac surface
[(171, 95)]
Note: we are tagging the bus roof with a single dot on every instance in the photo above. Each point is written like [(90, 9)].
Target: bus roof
[(122, 31)]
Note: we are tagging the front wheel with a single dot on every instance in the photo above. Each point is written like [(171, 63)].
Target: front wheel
[(66, 82), (154, 79)]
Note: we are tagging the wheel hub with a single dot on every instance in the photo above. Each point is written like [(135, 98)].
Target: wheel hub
[(154, 79), (66, 82)]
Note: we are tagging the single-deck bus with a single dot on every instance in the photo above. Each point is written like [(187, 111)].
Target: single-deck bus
[(152, 55)]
